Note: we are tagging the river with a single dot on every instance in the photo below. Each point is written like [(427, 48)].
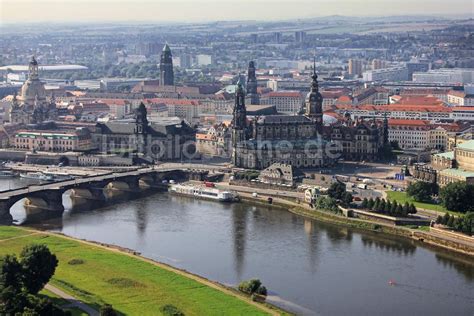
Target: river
[(309, 267)]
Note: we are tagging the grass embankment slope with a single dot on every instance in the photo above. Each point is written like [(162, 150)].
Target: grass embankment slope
[(402, 197), (134, 286)]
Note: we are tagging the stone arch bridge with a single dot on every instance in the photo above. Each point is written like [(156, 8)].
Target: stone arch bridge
[(49, 196)]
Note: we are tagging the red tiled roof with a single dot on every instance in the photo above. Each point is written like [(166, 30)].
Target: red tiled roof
[(288, 94), (420, 100), (407, 122), (114, 101), (463, 108), (171, 101)]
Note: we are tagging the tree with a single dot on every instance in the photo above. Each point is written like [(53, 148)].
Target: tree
[(20, 281), (393, 210), (406, 208), (364, 203), (376, 204), (412, 209), (346, 199), (38, 265), (439, 219), (370, 204), (10, 272), (388, 207), (450, 222), (337, 190), (399, 210), (445, 219), (382, 205), (421, 191), (107, 310), (457, 196)]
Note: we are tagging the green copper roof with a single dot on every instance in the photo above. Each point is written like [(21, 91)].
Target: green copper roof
[(458, 173), (469, 145), (447, 155)]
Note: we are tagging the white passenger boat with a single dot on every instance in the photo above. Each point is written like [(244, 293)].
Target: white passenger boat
[(6, 174), (37, 176), (58, 176), (203, 192)]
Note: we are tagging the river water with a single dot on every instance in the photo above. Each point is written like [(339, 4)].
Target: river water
[(309, 267)]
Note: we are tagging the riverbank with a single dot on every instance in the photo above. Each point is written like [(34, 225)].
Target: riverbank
[(98, 274), (433, 239)]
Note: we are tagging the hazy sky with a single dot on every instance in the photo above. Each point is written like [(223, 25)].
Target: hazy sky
[(207, 10)]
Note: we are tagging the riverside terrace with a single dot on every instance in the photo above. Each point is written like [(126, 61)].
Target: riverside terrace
[(48, 197)]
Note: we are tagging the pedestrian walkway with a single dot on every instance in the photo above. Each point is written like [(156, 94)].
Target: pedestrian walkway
[(73, 302)]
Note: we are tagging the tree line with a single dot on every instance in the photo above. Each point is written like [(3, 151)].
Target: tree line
[(388, 207), (463, 223), (456, 196)]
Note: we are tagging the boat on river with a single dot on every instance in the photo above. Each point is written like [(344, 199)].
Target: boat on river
[(37, 176), (6, 174), (204, 192)]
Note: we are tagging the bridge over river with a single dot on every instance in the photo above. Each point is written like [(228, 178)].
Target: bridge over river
[(49, 196)]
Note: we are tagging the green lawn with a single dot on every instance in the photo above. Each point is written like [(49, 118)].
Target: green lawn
[(131, 285), (402, 197)]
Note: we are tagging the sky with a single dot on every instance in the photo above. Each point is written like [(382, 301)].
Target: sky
[(18, 11)]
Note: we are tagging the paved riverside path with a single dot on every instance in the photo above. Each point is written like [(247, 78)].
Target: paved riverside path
[(73, 302)]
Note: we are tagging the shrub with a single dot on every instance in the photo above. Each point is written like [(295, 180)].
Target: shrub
[(171, 310), (253, 286), (76, 262), (107, 310)]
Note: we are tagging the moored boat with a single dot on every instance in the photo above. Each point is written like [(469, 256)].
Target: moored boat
[(6, 174), (210, 193), (37, 176)]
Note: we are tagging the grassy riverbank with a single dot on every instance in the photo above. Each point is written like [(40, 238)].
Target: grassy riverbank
[(133, 285), (402, 197)]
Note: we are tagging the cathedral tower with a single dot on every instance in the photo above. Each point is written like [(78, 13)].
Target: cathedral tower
[(314, 102), (141, 128), (166, 67), (252, 84), (239, 121)]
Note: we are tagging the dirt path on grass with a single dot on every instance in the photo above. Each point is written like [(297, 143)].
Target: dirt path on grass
[(73, 302), (18, 237)]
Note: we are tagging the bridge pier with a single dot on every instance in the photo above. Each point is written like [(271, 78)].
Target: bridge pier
[(5, 216), (50, 200)]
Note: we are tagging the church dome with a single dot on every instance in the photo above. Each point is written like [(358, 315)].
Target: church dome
[(31, 90)]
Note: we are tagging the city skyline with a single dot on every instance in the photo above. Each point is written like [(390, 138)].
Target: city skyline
[(209, 10)]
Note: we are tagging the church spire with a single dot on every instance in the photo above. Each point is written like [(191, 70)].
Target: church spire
[(252, 84), (314, 101)]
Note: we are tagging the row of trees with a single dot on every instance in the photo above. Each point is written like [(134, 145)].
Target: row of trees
[(391, 208), (456, 196), (22, 278), (464, 223)]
